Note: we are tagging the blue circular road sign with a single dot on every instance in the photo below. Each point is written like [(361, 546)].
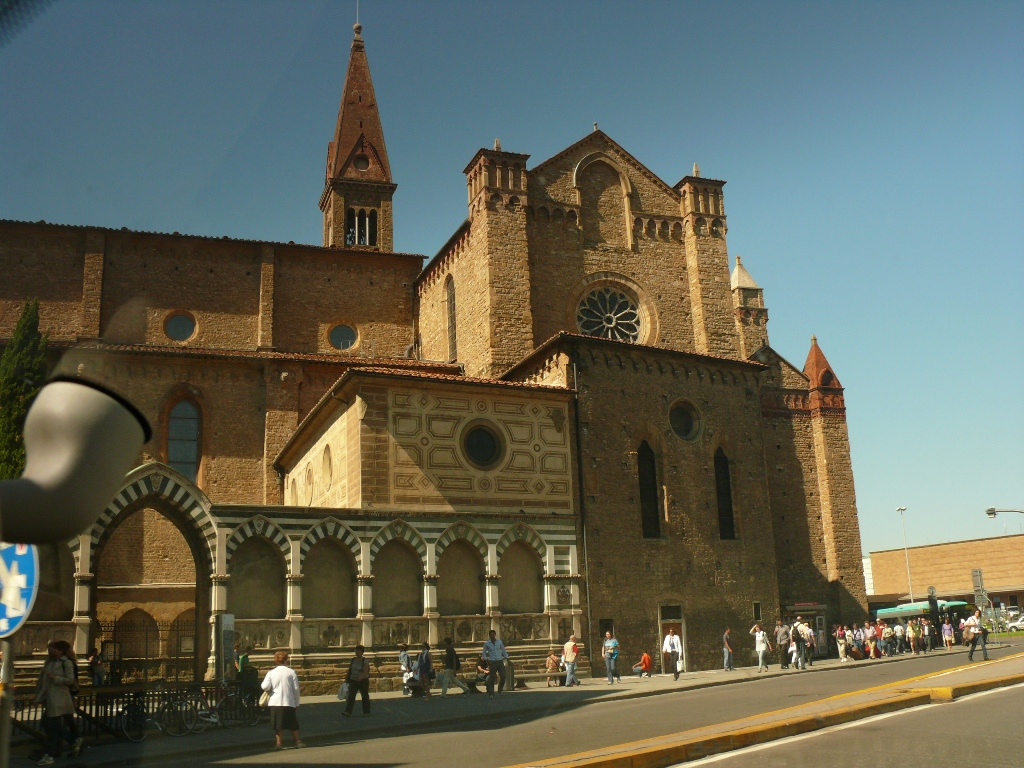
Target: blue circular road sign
[(19, 584)]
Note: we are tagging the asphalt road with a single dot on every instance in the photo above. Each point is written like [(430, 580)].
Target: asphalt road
[(986, 730), (520, 738)]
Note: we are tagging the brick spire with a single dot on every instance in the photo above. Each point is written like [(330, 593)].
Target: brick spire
[(818, 370), (357, 151)]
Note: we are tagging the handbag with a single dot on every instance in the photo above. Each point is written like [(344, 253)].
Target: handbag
[(265, 699), (343, 691), (679, 665)]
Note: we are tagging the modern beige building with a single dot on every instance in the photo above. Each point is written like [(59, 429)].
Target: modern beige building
[(569, 419)]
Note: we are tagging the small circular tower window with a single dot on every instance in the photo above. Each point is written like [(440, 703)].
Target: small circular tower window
[(361, 162), (684, 420), (482, 445), (180, 326), (342, 337)]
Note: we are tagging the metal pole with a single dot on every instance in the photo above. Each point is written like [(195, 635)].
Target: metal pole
[(906, 552), (6, 680)]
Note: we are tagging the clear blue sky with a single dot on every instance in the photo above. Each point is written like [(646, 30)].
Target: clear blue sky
[(874, 155)]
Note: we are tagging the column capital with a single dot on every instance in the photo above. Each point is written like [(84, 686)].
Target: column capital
[(295, 578), (84, 578), (430, 578), (365, 579), (220, 578)]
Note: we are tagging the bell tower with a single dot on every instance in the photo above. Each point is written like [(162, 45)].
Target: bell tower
[(356, 201)]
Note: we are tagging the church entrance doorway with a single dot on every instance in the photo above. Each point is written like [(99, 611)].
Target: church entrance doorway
[(151, 596), (672, 618)]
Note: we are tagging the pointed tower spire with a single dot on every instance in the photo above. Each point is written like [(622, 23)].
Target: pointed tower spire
[(357, 164), (818, 370), (751, 313)]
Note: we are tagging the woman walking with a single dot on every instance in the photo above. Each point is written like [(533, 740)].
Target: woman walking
[(947, 634), (762, 646), (283, 685), (53, 691), (358, 679), (840, 636)]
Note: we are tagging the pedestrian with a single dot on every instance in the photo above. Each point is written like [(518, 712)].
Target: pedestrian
[(912, 636), (978, 632), (858, 638), (674, 648), (53, 691), (761, 645), (425, 670), (569, 653), (900, 634), (97, 669), (452, 666), (553, 668), (643, 666), (482, 673), (611, 657), (947, 634), (495, 653), (782, 643), (283, 686), (799, 634), (840, 635), (887, 640), (810, 643), (727, 650), (358, 679), (406, 666)]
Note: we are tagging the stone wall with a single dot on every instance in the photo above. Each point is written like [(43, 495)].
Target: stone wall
[(947, 567)]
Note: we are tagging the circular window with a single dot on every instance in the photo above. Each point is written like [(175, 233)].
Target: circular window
[(482, 445), (180, 326), (327, 467), (684, 420), (342, 336), (361, 162), (609, 313)]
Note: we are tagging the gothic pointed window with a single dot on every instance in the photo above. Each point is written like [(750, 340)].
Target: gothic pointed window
[(449, 293), (373, 228), (647, 471), (361, 228), (350, 227), (723, 488), (183, 439)]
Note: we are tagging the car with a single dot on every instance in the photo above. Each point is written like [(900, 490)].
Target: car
[(1016, 625)]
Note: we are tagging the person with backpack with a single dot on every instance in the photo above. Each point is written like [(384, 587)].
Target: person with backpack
[(358, 680), (452, 665), (58, 682)]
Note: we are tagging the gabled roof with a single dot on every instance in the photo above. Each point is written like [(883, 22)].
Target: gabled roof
[(792, 377), (359, 132), (600, 137), (818, 370), (741, 278)]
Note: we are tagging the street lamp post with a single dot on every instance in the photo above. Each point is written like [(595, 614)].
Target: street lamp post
[(906, 552), (992, 511)]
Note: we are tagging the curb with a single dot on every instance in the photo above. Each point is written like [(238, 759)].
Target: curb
[(685, 749), (949, 693)]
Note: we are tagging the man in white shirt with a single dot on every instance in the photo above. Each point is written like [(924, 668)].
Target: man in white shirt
[(674, 648), (977, 628), (495, 654), (569, 653)]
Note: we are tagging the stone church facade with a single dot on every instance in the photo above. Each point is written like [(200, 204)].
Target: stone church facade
[(569, 420)]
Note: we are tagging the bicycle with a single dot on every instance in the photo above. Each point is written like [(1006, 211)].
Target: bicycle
[(235, 706), (175, 717)]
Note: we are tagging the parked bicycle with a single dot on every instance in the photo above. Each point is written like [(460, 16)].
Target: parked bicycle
[(175, 716), (235, 706)]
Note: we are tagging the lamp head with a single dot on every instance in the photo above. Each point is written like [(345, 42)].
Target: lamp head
[(901, 509), (990, 512)]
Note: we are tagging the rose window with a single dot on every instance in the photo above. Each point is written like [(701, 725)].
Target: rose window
[(610, 314)]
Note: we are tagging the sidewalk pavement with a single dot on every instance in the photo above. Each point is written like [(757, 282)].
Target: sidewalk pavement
[(321, 718)]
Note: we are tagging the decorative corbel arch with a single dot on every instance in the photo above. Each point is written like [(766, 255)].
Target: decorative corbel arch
[(465, 531), (522, 532), (331, 528), (262, 527), (399, 529), (167, 487)]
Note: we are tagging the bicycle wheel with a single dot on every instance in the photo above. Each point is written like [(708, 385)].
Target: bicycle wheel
[(251, 709), (134, 721), (177, 717), (204, 716)]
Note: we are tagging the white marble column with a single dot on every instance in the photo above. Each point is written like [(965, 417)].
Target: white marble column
[(294, 599), (493, 606), (85, 581)]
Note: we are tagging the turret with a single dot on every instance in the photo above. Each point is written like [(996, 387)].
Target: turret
[(751, 314)]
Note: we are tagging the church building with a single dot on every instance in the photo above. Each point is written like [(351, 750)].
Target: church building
[(569, 420)]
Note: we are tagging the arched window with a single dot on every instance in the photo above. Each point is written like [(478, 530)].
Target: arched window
[(723, 487), (361, 228), (522, 580), (449, 294), (257, 586), (460, 583), (398, 580), (647, 471), (183, 439), (329, 588), (350, 227), (373, 227)]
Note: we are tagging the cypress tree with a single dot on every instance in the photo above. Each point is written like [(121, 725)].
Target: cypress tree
[(22, 371)]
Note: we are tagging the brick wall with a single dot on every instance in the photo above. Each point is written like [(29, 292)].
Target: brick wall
[(947, 567)]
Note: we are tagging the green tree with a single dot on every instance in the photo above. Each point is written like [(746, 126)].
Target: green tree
[(22, 371)]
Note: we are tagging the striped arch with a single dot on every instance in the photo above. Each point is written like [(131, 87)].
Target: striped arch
[(331, 528), (461, 530), (521, 532), (259, 526), (399, 529), (155, 481)]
